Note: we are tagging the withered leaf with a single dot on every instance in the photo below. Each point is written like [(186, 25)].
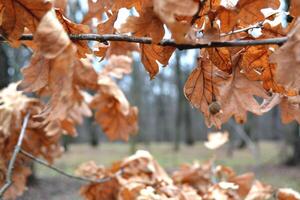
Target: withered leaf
[(51, 68), (95, 10), (167, 10), (73, 28), (18, 14), (200, 88), (117, 66), (288, 60), (237, 96), (147, 24), (221, 58), (113, 112), (289, 111), (152, 53)]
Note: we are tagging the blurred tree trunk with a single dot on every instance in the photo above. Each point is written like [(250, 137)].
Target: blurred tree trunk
[(136, 94), (180, 101), (295, 159), (296, 154), (189, 137), (4, 63), (92, 129)]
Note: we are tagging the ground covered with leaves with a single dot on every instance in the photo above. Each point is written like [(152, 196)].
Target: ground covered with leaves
[(53, 187)]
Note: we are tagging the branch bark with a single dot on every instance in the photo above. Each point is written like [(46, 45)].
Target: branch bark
[(102, 180), (8, 181), (165, 42)]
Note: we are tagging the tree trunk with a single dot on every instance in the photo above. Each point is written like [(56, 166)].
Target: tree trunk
[(4, 66), (189, 137), (180, 102), (295, 159)]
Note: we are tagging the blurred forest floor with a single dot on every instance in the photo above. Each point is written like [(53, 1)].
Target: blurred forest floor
[(268, 167)]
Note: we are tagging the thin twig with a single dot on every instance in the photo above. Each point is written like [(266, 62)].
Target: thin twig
[(102, 180), (165, 42), (257, 25), (8, 181)]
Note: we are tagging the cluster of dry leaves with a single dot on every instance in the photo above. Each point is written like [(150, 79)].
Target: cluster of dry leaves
[(39, 139), (225, 83), (144, 179)]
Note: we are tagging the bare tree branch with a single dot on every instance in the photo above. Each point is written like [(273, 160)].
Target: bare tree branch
[(102, 180), (8, 181), (257, 25), (165, 42)]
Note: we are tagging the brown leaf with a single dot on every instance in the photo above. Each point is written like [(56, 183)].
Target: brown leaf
[(221, 58), (51, 39), (85, 75), (13, 108), (52, 71), (289, 111), (146, 25), (95, 10), (61, 4), (116, 117), (249, 12), (287, 194), (259, 191), (295, 8), (200, 88), (73, 28), (18, 14), (167, 10), (256, 66), (287, 57), (117, 66), (152, 53), (269, 31), (107, 27), (245, 182), (237, 96)]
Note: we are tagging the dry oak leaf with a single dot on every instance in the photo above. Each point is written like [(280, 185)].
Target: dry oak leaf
[(269, 31), (259, 191), (107, 27), (221, 58), (287, 58), (61, 4), (201, 89), (13, 108), (146, 25), (85, 76), (138, 4), (18, 14), (237, 96), (256, 66), (249, 12), (151, 54), (295, 8), (244, 181), (73, 28), (13, 105), (117, 66), (113, 112), (95, 10), (240, 14), (287, 194), (289, 111), (167, 10), (51, 68)]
